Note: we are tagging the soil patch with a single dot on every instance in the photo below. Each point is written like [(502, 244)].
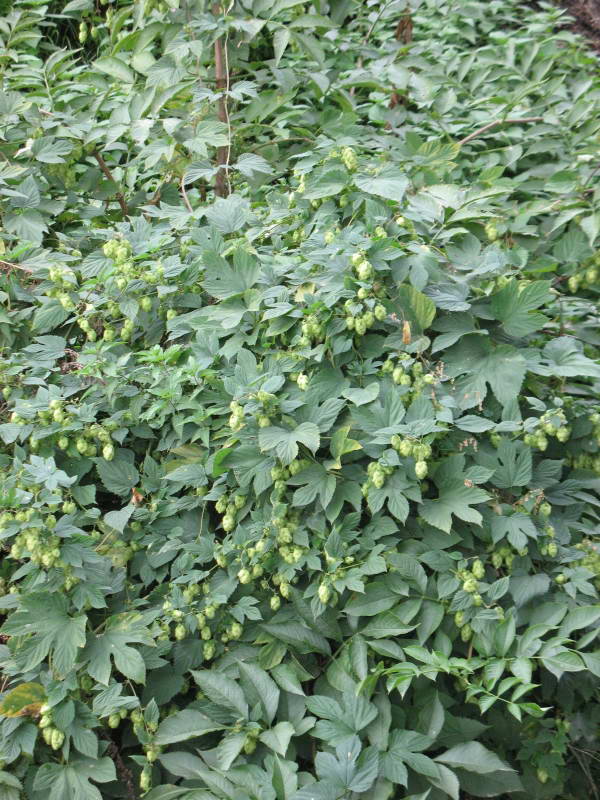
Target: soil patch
[(586, 15)]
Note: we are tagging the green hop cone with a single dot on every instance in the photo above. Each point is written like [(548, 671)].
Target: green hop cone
[(466, 632), (421, 470), (275, 603), (244, 576), (478, 569), (324, 593), (57, 739)]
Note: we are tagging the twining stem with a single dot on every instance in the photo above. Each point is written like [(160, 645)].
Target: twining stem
[(104, 167), (186, 199), (124, 773), (495, 123), (222, 188)]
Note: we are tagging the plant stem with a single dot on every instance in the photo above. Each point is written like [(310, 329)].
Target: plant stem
[(222, 188), (119, 195), (495, 123), (123, 772), (186, 199)]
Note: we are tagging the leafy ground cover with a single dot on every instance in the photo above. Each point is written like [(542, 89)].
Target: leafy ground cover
[(300, 426)]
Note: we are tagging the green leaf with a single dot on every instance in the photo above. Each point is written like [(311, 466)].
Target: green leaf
[(504, 635), (169, 792), (10, 787), (44, 619), (221, 690), (262, 687), (415, 307), (49, 317), (376, 598), (116, 68), (522, 668), (577, 618), (516, 528), (229, 749), (592, 662), (473, 757), (285, 442), (390, 183), (514, 464), (360, 397), (223, 281), (559, 660), (340, 720), (188, 474), (480, 363), (184, 725), (28, 225), (229, 214), (51, 151), (119, 519), (406, 750), (515, 306), (429, 619), (387, 624), (281, 39), (183, 765), (252, 165), (278, 738), (120, 631), (325, 184), (456, 497), (392, 493), (72, 781), (47, 348), (564, 357), (299, 637), (119, 476)]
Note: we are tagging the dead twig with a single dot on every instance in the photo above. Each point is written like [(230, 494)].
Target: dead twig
[(403, 33), (8, 265), (119, 195), (495, 123), (404, 29), (584, 766)]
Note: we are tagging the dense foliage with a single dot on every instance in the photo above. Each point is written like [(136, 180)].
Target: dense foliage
[(300, 436)]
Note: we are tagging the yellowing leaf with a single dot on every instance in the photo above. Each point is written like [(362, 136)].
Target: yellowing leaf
[(24, 700), (340, 445), (302, 290)]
